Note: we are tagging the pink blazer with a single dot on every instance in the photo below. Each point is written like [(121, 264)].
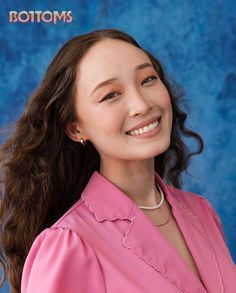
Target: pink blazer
[(105, 243)]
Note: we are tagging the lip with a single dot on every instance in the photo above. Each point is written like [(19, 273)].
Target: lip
[(145, 123)]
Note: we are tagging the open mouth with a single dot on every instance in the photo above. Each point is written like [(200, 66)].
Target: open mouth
[(146, 129)]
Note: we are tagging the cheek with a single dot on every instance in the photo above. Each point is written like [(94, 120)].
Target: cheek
[(165, 99), (106, 120), (110, 121), (167, 104)]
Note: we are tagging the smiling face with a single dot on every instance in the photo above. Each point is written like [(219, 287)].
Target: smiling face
[(134, 95)]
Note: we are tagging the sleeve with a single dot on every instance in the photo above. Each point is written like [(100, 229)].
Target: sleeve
[(61, 261), (219, 226)]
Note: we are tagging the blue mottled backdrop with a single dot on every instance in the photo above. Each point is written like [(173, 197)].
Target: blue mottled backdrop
[(196, 43)]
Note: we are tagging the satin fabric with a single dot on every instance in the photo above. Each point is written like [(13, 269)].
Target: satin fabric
[(106, 243)]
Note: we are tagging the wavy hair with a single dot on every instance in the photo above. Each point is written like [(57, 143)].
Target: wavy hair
[(43, 171)]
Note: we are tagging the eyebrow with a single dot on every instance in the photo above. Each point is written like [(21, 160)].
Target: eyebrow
[(111, 80)]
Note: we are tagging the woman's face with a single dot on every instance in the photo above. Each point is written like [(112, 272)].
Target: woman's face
[(134, 95)]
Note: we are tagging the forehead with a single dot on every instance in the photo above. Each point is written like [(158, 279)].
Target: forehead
[(111, 56)]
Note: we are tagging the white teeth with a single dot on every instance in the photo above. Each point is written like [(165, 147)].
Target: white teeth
[(144, 129)]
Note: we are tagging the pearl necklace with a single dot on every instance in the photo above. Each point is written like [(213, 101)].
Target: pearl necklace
[(157, 206)]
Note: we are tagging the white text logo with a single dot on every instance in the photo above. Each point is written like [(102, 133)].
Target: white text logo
[(40, 16)]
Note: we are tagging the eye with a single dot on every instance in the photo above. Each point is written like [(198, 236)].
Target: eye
[(108, 96), (111, 95), (149, 79)]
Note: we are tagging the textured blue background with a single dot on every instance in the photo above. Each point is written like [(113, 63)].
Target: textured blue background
[(196, 43)]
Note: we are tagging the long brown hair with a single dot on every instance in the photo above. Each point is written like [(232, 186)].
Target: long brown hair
[(43, 172)]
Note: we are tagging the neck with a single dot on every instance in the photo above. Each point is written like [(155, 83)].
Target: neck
[(135, 179)]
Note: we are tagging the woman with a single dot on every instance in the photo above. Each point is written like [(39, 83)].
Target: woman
[(86, 207)]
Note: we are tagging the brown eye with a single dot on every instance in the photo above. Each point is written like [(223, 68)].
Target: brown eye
[(109, 96), (149, 79)]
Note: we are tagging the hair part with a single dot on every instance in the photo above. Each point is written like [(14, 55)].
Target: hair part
[(40, 177)]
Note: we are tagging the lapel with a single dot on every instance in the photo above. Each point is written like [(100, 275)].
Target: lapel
[(107, 202)]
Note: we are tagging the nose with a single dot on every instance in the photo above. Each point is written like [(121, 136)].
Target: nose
[(138, 104)]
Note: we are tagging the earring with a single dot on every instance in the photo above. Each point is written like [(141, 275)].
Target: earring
[(82, 141)]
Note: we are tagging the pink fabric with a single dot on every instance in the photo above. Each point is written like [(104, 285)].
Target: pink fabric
[(105, 243)]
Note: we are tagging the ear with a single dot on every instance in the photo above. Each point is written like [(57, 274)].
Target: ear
[(73, 132)]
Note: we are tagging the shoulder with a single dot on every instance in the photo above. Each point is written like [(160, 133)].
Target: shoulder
[(198, 205), (190, 199), (56, 236), (76, 219), (73, 214), (57, 241)]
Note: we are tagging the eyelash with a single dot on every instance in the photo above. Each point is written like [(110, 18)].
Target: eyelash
[(110, 94)]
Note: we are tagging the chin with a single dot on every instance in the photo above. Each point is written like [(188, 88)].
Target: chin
[(162, 148)]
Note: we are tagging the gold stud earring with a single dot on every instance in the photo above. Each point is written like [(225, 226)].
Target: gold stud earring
[(82, 141)]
